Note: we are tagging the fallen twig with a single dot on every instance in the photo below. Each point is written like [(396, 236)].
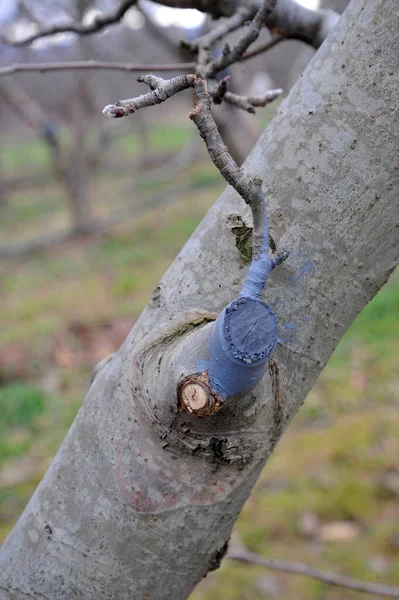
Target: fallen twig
[(252, 558)]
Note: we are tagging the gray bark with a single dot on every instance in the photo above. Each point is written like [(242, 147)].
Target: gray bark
[(140, 501)]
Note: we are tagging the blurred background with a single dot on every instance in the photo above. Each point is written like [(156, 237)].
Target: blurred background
[(92, 212)]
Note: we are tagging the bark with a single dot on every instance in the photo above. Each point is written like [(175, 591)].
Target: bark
[(140, 500)]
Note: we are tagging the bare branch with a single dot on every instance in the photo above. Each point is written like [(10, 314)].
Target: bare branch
[(243, 555), (203, 45), (232, 55), (219, 93), (98, 24), (247, 186), (162, 89), (249, 103), (220, 31), (297, 22), (264, 47), (215, 8), (28, 108), (94, 65)]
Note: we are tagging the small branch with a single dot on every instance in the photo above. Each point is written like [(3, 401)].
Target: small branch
[(243, 555), (162, 89), (249, 103), (232, 55), (220, 92), (93, 65), (98, 24), (203, 45), (248, 187), (264, 47)]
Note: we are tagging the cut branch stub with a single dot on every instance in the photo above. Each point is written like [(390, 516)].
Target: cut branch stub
[(195, 396), (250, 328)]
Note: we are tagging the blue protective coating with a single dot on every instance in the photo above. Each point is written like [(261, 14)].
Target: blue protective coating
[(260, 266), (306, 268), (230, 375), (258, 273), (252, 336), (238, 352)]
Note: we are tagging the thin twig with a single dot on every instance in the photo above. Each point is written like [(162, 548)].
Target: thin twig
[(98, 24), (94, 65), (232, 55), (220, 93), (380, 589), (204, 44), (247, 186), (249, 103), (161, 90), (264, 47)]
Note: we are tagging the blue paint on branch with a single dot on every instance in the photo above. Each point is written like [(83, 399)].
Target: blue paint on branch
[(245, 333), (306, 268), (260, 266), (244, 336)]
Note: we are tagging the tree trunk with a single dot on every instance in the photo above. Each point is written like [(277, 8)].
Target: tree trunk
[(141, 500)]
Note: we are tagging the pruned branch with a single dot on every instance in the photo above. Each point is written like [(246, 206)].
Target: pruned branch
[(97, 25), (264, 47), (247, 186), (286, 566), (92, 65), (161, 90)]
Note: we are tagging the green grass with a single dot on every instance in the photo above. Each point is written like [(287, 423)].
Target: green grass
[(20, 403), (20, 406), (379, 321), (32, 153)]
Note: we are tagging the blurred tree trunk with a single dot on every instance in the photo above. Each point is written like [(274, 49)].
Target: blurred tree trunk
[(77, 169), (72, 169), (140, 500)]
